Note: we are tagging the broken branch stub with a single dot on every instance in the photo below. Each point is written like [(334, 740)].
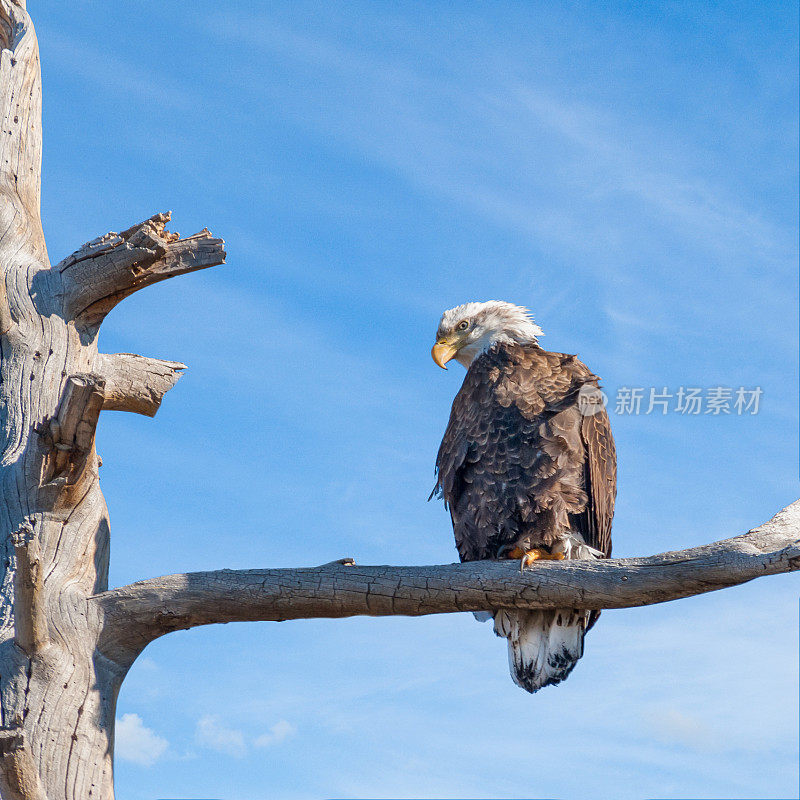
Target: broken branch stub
[(111, 267)]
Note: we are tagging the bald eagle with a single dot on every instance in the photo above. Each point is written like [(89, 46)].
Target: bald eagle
[(527, 468)]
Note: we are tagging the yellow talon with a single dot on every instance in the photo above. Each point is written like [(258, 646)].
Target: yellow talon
[(535, 554)]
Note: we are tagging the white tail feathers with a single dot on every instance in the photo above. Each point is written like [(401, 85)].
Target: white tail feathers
[(543, 646), (573, 546)]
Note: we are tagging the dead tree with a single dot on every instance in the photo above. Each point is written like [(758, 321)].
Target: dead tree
[(66, 641)]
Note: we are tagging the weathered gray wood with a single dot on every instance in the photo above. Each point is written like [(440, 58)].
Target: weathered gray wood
[(57, 694), (135, 383), (70, 434), (140, 612), (19, 778), (6, 322), (30, 620), (108, 269)]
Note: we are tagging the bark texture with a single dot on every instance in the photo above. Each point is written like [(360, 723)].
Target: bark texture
[(136, 614), (57, 691), (66, 641)]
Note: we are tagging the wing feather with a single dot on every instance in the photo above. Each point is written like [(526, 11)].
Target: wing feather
[(518, 463), (601, 472)]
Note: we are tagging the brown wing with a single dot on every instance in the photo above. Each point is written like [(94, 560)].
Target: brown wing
[(601, 480), (474, 450), (512, 464)]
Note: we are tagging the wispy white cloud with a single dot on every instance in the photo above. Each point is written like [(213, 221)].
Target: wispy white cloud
[(137, 743), (211, 732), (102, 67), (626, 157), (675, 727), (146, 664), (494, 141), (214, 734), (279, 732)]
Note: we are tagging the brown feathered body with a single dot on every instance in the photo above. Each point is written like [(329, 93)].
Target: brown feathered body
[(528, 461)]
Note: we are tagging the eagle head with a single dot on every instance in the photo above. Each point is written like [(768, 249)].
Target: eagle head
[(468, 330)]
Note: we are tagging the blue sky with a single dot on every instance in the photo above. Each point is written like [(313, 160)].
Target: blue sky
[(629, 172)]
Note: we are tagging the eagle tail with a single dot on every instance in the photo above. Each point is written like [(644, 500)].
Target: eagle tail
[(543, 646)]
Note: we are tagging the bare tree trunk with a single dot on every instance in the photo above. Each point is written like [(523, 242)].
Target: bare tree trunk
[(57, 691), (66, 641)]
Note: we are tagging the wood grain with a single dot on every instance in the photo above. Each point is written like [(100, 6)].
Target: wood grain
[(138, 613)]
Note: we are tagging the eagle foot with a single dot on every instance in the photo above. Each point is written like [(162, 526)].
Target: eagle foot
[(527, 557)]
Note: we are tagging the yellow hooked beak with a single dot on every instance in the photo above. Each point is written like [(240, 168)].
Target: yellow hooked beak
[(442, 352)]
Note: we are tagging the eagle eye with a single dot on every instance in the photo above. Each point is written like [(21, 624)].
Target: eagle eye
[(463, 325)]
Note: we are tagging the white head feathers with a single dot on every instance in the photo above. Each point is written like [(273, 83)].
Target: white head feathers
[(486, 324)]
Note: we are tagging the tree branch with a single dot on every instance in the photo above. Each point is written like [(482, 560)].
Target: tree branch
[(135, 383), (141, 612), (108, 269)]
